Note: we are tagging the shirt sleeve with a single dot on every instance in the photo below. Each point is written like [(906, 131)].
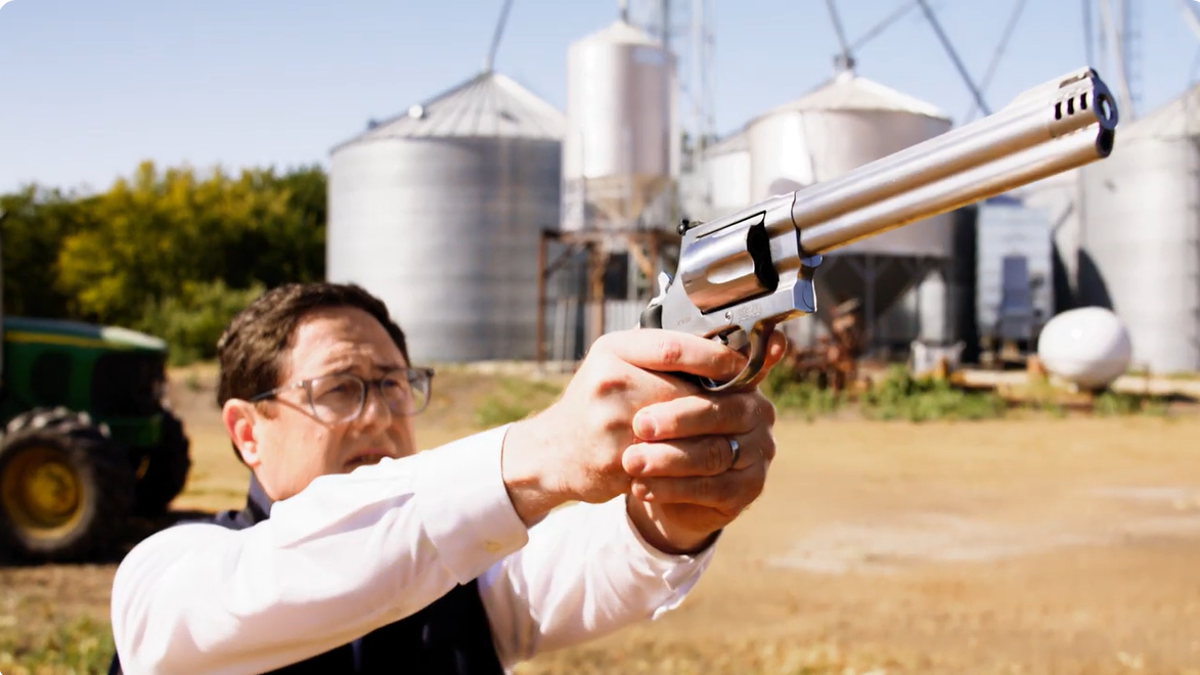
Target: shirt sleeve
[(350, 553), (586, 572)]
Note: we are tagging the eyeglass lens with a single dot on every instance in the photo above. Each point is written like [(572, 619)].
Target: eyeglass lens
[(342, 397)]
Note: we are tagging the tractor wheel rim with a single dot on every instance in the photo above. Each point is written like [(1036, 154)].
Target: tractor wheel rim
[(42, 492)]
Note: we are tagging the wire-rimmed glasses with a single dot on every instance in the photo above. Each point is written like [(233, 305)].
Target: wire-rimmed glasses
[(341, 397)]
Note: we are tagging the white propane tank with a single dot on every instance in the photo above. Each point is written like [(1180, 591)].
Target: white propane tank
[(1088, 347)]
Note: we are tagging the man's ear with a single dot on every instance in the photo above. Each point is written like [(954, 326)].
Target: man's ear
[(240, 419)]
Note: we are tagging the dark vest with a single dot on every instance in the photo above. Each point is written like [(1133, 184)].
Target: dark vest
[(452, 636)]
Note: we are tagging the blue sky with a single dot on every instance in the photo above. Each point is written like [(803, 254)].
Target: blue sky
[(92, 87)]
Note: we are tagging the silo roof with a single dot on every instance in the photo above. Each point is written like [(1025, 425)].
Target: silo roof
[(848, 91), (488, 105), (621, 32), (1178, 119)]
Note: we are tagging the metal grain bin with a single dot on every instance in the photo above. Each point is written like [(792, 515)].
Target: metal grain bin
[(727, 170), (1140, 245), (618, 151), (438, 211)]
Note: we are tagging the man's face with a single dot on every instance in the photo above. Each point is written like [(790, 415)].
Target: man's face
[(285, 444)]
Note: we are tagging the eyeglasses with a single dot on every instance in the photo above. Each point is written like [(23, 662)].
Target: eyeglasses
[(342, 397)]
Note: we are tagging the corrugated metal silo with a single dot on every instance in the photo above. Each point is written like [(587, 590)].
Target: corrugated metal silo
[(439, 210), (841, 125), (1140, 247), (618, 152), (727, 171)]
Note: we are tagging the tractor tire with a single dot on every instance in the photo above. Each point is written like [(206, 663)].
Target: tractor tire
[(66, 488), (166, 469)]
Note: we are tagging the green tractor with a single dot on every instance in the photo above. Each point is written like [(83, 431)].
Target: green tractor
[(88, 438)]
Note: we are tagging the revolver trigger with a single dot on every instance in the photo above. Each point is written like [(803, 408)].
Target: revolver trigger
[(735, 339), (757, 339)]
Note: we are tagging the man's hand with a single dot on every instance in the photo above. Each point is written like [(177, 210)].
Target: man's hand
[(687, 481), (573, 450)]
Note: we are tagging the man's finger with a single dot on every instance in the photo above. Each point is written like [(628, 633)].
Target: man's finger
[(667, 351), (704, 456), (777, 347), (691, 416), (728, 492)]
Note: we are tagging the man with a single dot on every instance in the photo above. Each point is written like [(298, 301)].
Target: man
[(356, 554)]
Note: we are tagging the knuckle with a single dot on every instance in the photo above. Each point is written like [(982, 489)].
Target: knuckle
[(611, 420), (602, 344), (749, 416), (670, 349), (768, 448), (740, 413), (766, 410), (716, 411), (609, 382), (730, 491), (714, 454)]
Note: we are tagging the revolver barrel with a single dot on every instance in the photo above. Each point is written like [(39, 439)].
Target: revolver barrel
[(1057, 126)]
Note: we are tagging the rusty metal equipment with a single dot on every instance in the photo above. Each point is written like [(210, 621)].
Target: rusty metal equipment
[(833, 361)]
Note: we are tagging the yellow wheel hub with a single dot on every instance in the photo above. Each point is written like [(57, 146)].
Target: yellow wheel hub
[(41, 492)]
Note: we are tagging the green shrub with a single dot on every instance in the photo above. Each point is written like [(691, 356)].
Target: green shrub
[(192, 322), (800, 397), (899, 395)]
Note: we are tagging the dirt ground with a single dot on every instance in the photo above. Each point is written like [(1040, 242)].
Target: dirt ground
[(1028, 546)]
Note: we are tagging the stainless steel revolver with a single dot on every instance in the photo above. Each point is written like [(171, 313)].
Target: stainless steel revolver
[(741, 275)]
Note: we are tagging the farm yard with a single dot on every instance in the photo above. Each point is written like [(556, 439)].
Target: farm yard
[(1038, 543)]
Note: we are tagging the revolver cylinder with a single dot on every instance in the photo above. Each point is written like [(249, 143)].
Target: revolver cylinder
[(734, 259)]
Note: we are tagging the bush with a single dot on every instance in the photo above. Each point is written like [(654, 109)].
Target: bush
[(193, 322), (901, 396), (800, 397), (1112, 404), (898, 396)]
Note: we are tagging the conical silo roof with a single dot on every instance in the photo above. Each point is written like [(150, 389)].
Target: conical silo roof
[(621, 32), (848, 91), (489, 105), (1178, 119)]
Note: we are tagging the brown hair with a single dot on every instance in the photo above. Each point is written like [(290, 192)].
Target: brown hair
[(250, 349)]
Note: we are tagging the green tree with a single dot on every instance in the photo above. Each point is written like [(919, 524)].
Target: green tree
[(36, 222)]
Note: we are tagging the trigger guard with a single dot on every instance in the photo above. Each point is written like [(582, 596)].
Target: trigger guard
[(759, 337)]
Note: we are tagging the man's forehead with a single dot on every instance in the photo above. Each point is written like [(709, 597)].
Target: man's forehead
[(329, 341)]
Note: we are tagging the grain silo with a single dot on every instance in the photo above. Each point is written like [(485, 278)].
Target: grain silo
[(727, 172), (439, 212), (619, 153), (1140, 242), (845, 123), (619, 156)]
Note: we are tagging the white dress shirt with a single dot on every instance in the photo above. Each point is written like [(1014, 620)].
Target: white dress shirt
[(354, 552)]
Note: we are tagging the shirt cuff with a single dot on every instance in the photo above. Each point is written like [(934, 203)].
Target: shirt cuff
[(679, 573), (465, 506)]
